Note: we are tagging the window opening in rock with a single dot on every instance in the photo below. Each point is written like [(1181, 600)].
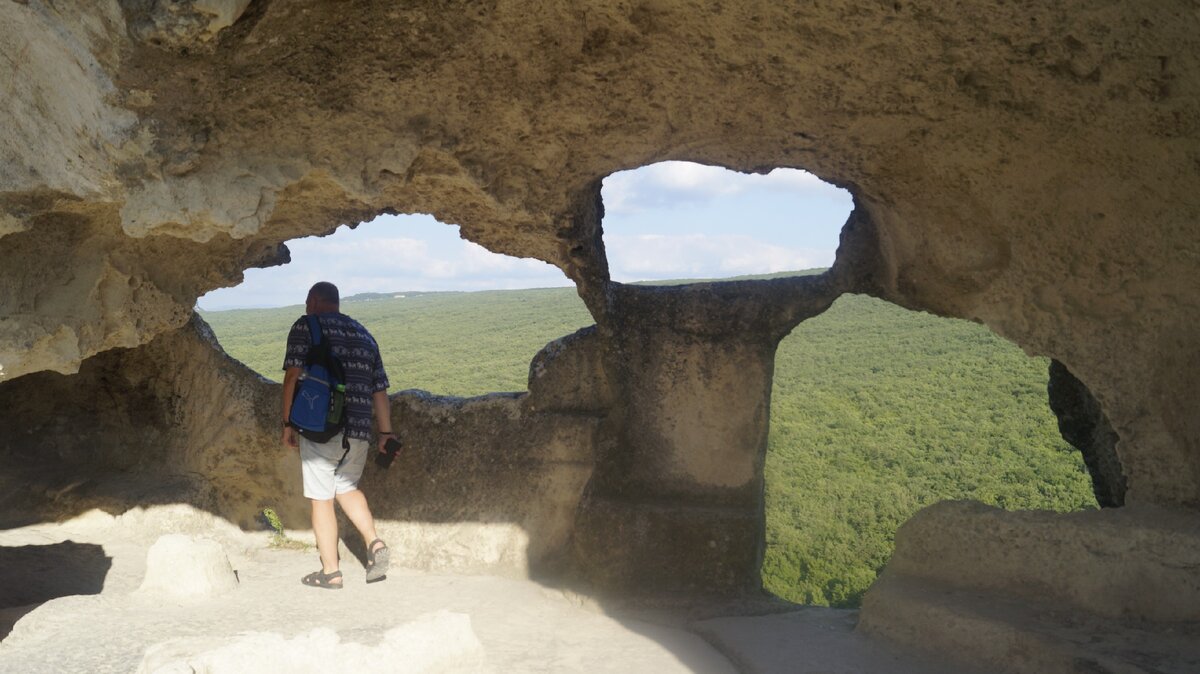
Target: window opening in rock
[(679, 220), (450, 316), (876, 411)]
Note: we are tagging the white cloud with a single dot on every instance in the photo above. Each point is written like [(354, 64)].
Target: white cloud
[(368, 261), (361, 252), (688, 177), (664, 184), (399, 253), (793, 180), (475, 259), (658, 256), (411, 258), (676, 183)]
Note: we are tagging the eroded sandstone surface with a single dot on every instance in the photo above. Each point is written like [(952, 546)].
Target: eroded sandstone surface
[(1029, 166)]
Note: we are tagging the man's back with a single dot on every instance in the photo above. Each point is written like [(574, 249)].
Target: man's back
[(354, 346)]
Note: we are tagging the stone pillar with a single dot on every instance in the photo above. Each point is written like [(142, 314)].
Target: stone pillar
[(676, 502)]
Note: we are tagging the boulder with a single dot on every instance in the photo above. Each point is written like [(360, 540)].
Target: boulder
[(187, 567)]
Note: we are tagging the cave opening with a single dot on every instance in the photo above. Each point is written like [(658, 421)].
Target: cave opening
[(677, 220), (450, 316), (876, 411)]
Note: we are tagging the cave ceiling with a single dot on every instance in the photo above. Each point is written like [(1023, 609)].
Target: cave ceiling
[(1031, 166)]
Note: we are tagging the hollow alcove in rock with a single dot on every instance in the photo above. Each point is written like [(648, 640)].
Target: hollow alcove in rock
[(459, 358), (1083, 423), (442, 309)]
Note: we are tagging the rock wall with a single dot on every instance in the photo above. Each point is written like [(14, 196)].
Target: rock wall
[(493, 483), (1113, 590), (173, 421), (190, 139), (483, 484)]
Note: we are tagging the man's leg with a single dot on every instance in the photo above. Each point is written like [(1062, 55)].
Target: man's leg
[(352, 500), (324, 523), (354, 504)]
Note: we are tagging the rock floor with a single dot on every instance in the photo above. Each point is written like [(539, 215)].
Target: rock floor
[(413, 621)]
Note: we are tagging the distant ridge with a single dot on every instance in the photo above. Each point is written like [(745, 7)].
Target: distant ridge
[(399, 294), (745, 277), (367, 297)]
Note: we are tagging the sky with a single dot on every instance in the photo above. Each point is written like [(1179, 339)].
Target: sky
[(664, 221)]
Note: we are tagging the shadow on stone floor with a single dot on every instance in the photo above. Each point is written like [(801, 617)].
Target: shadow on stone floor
[(31, 575)]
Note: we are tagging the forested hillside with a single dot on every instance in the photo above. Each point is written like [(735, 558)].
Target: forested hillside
[(451, 343), (876, 412)]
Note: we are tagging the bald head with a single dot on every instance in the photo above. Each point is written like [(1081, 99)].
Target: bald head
[(322, 298)]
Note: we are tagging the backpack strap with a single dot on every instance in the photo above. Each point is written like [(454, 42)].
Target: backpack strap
[(314, 329)]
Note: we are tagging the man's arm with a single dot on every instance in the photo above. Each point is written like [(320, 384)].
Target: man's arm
[(290, 377), (293, 366), (383, 417)]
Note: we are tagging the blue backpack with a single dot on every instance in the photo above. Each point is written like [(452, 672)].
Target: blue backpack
[(319, 404)]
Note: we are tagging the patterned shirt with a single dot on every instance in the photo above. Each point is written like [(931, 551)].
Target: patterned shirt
[(359, 354)]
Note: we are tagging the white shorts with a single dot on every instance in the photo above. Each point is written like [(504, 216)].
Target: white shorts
[(329, 469)]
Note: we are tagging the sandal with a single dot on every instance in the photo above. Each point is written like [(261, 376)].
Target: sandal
[(377, 561), (325, 580)]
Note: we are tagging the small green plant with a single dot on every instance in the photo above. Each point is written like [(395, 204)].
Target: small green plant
[(273, 520), (279, 539)]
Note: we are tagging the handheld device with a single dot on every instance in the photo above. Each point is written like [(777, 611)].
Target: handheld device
[(391, 448)]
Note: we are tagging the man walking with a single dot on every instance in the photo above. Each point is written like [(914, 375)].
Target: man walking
[(331, 470)]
